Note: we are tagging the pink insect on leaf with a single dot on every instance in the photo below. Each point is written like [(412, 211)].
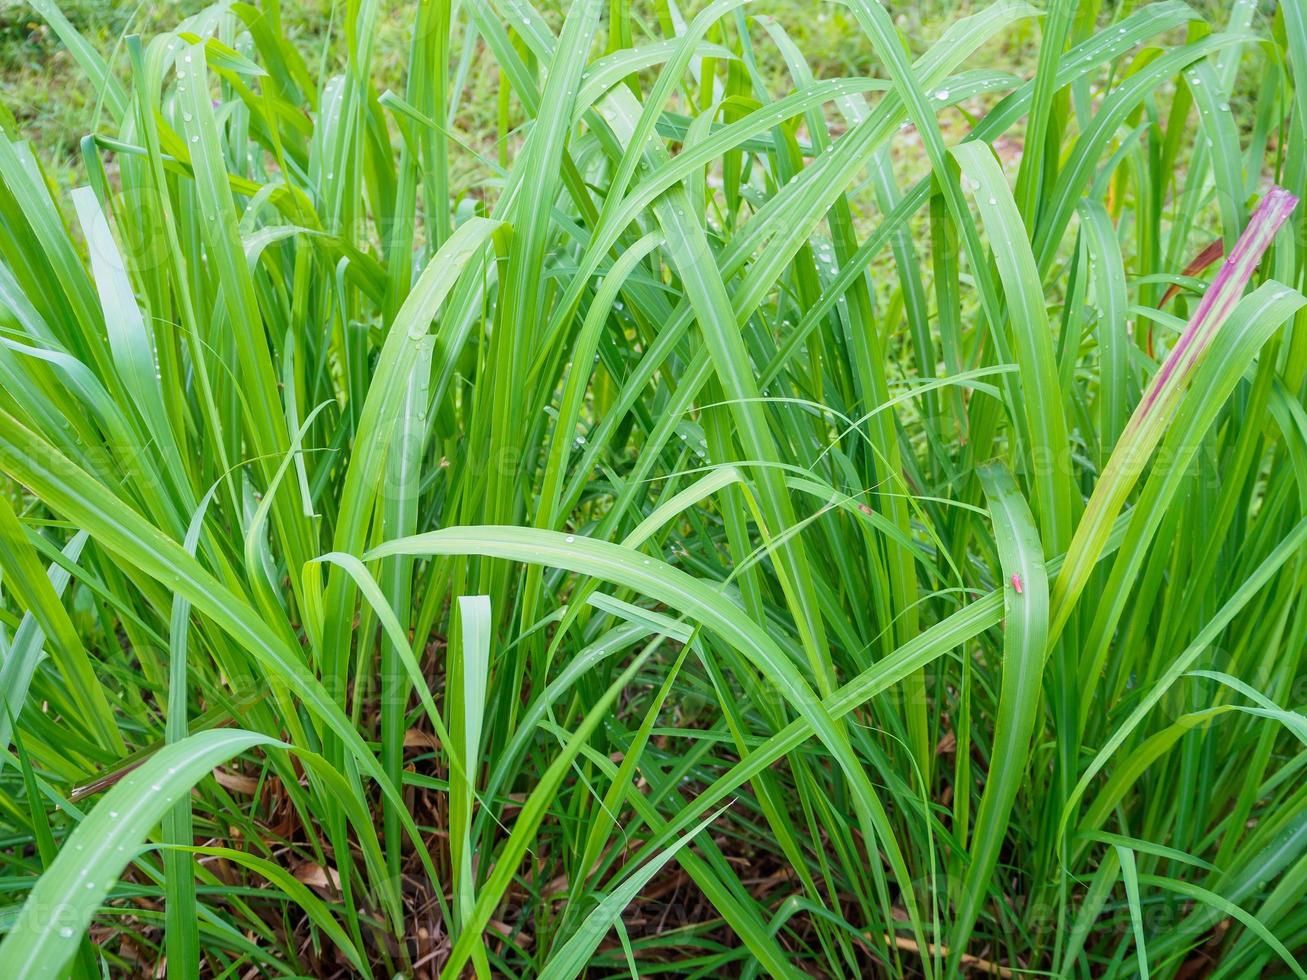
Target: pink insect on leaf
[(1016, 583)]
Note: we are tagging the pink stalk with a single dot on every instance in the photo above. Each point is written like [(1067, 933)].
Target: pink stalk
[(1223, 293), (1145, 427)]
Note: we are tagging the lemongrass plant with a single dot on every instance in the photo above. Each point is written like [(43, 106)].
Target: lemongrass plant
[(736, 523)]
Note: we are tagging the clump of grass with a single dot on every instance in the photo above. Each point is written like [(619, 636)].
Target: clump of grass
[(751, 527)]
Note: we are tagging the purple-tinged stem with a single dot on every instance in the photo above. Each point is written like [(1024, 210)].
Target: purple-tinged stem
[(1224, 292), (1145, 427)]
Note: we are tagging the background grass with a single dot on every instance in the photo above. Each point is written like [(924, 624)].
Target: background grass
[(52, 100)]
